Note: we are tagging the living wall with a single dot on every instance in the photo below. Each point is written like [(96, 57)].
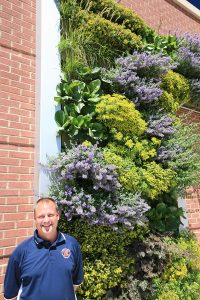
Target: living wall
[(126, 155)]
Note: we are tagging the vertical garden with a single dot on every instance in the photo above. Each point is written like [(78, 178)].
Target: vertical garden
[(126, 155)]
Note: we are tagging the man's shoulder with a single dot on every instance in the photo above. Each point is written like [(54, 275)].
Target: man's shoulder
[(70, 238), (23, 246)]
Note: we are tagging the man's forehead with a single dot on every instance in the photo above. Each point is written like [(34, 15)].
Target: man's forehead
[(44, 205)]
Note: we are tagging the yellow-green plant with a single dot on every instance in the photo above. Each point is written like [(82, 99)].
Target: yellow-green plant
[(116, 111), (105, 39), (176, 91), (157, 179), (181, 276), (119, 14), (148, 178), (105, 253)]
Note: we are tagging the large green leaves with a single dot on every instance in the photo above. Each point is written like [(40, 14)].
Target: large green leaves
[(165, 218), (77, 115)]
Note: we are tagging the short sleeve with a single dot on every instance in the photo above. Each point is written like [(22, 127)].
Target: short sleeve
[(78, 270), (12, 280)]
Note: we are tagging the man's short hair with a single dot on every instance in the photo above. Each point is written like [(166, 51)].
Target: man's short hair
[(47, 199)]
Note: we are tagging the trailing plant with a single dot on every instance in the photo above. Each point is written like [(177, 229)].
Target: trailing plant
[(181, 153), (181, 276), (164, 266)]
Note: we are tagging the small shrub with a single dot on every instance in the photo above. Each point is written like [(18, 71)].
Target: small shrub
[(176, 91), (116, 111)]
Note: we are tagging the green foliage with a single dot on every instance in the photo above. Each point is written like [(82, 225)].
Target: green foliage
[(181, 276), (128, 264), (105, 39), (164, 267), (89, 39), (76, 119), (163, 44), (165, 218), (110, 10), (176, 91), (186, 162), (149, 178), (105, 253), (117, 112), (157, 179), (73, 39)]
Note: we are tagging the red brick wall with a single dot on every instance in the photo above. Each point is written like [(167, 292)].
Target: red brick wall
[(164, 16), (17, 123), (193, 209)]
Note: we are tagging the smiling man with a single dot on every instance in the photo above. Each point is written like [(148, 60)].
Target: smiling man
[(47, 266)]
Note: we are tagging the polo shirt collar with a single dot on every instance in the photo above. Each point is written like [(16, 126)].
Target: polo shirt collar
[(40, 243)]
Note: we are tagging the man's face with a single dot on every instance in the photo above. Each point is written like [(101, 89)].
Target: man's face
[(46, 220)]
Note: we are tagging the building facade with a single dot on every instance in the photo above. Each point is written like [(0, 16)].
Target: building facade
[(29, 74)]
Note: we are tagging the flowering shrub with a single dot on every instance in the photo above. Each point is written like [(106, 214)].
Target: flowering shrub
[(87, 187), (188, 56), (160, 126), (139, 75)]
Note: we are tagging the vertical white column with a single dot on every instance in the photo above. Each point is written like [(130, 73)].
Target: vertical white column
[(47, 77)]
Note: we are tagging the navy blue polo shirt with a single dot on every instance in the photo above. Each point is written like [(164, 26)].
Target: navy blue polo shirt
[(39, 270)]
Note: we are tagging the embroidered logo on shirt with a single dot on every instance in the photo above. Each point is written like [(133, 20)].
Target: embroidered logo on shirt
[(65, 253)]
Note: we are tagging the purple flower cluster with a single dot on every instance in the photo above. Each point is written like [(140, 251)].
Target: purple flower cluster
[(86, 187), (191, 41), (165, 154), (189, 63), (188, 56), (79, 204), (139, 76), (195, 91), (160, 126), (82, 166), (146, 65), (147, 92)]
